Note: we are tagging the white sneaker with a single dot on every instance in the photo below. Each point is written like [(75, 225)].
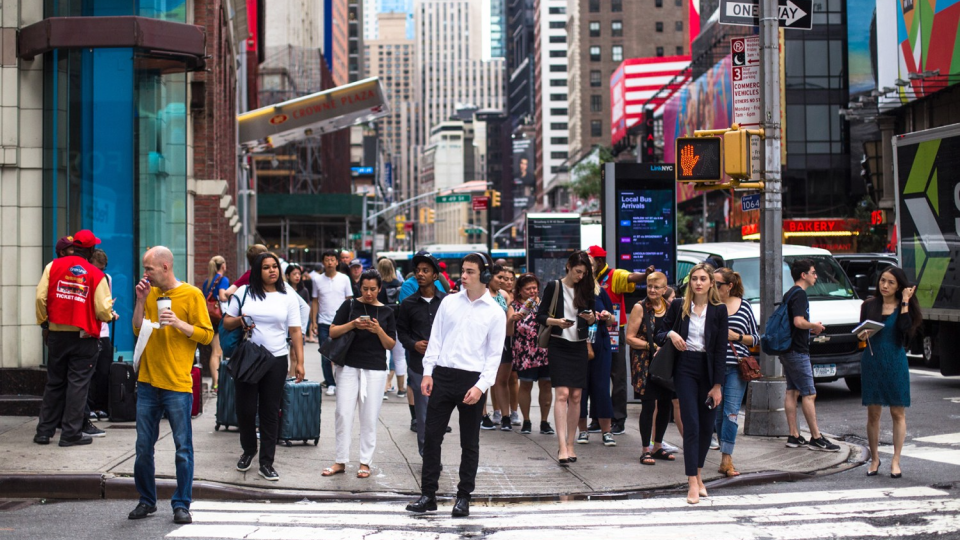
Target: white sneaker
[(515, 418), (669, 448), (331, 390), (714, 443), (497, 417)]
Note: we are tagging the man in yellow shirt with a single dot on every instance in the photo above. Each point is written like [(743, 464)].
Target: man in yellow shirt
[(164, 384)]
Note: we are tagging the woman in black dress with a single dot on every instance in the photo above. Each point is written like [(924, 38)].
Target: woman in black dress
[(567, 351)]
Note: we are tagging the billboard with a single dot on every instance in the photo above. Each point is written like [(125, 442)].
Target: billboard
[(524, 180), (638, 80), (861, 46), (706, 103), (915, 40)]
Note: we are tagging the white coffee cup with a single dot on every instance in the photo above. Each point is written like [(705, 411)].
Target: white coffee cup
[(164, 303)]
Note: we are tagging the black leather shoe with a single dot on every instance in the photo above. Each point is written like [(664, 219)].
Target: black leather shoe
[(461, 508), (141, 511), (246, 461), (268, 473), (423, 504), (41, 439), (182, 516), (81, 440)]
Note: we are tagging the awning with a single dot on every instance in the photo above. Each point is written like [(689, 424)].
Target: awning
[(330, 110), (153, 38)]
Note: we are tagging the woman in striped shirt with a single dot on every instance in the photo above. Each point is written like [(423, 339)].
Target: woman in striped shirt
[(742, 334)]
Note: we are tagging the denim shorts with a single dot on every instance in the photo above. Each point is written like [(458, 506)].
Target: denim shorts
[(534, 374), (798, 372)]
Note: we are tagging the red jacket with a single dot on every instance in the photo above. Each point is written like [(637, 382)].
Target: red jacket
[(70, 300)]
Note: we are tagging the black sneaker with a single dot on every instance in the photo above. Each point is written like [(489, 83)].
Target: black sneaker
[(141, 511), (182, 516), (617, 427), (245, 462), (796, 442), (505, 424), (608, 440), (486, 423), (545, 429), (92, 430), (79, 441), (413, 425), (583, 438), (41, 439), (267, 472), (594, 427), (823, 445), (526, 427)]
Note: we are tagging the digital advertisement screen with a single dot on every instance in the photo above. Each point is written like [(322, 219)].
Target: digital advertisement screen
[(646, 222), (550, 241)]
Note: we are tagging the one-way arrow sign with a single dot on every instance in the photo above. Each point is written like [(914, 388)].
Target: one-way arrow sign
[(795, 14)]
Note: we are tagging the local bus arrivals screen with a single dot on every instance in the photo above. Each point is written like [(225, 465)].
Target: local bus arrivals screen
[(646, 225), (550, 241)]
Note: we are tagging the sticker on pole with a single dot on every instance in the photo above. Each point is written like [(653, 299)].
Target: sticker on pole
[(745, 72)]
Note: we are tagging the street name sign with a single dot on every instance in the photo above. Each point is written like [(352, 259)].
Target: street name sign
[(745, 72), (794, 14), (749, 203), (459, 198)]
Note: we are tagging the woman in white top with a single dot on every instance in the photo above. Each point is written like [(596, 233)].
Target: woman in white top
[(271, 314), (567, 352), (697, 327)]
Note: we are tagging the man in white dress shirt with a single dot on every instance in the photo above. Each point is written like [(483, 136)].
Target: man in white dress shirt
[(459, 366)]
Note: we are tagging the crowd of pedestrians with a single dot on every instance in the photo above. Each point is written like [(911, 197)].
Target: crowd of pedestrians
[(451, 345)]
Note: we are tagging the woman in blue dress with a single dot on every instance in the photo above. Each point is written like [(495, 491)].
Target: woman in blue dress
[(884, 371)]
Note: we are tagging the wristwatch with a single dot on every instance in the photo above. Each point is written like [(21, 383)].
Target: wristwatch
[(904, 304), (739, 337)]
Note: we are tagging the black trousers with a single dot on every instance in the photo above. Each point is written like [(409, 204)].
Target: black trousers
[(664, 406), (70, 364), (264, 398), (618, 375), (419, 406), (449, 388), (98, 396), (692, 380)]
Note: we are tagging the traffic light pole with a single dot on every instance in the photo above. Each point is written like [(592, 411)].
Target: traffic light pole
[(765, 397)]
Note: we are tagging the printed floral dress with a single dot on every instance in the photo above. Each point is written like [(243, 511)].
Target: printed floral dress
[(526, 353)]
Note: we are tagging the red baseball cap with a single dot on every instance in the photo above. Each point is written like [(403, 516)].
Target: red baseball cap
[(85, 239), (597, 251)]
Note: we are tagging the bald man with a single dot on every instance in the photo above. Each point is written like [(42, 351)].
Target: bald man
[(164, 383)]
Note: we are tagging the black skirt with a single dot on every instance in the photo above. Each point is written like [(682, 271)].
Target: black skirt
[(569, 364)]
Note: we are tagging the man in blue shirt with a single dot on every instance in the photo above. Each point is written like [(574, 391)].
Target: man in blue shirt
[(411, 286)]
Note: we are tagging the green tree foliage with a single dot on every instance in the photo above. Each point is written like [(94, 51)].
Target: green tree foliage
[(586, 176)]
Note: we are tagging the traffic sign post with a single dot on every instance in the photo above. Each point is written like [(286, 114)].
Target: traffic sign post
[(749, 203), (794, 14), (480, 203), (457, 198), (745, 72)]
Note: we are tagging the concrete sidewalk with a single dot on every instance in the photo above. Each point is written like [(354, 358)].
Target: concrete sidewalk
[(511, 464)]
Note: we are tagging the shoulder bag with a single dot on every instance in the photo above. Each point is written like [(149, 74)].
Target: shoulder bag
[(543, 334), (335, 349), (661, 366), (229, 339), (213, 303), (749, 367)]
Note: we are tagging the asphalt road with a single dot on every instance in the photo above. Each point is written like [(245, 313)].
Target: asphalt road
[(925, 503)]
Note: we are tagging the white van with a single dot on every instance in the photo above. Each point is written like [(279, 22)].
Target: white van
[(835, 353)]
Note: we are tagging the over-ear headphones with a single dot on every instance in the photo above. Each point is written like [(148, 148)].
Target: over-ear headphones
[(485, 276)]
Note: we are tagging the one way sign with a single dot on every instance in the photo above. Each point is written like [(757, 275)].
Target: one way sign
[(796, 14)]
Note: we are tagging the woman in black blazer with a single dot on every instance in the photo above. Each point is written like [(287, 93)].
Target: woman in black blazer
[(701, 339), (569, 324)]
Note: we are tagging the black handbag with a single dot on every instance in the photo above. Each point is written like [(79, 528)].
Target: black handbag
[(335, 349), (661, 366), (250, 362)]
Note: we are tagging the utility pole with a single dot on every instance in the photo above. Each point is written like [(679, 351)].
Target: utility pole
[(765, 397)]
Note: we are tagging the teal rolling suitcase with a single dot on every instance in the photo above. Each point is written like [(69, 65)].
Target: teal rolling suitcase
[(226, 398), (300, 412)]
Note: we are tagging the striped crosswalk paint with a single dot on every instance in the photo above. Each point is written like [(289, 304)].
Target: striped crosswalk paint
[(910, 511)]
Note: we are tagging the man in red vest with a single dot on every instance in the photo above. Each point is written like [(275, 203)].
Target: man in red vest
[(617, 283), (73, 300)]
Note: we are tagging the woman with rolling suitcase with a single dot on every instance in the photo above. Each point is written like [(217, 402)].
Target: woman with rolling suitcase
[(361, 378), (269, 313)]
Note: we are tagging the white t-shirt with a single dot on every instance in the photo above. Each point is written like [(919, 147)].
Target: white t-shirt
[(304, 310), (570, 312), (273, 317), (330, 294)]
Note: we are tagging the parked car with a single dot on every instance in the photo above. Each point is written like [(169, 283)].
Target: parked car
[(863, 269), (834, 354)]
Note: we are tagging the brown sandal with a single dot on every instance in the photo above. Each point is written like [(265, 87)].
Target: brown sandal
[(363, 473), (728, 471)]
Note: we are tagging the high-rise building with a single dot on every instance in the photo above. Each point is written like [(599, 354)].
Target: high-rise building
[(347, 41), (602, 35), (372, 8), (450, 65), (552, 98), (391, 57), (494, 28), (520, 61)]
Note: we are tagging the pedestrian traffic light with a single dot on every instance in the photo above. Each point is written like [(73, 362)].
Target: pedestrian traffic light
[(494, 198), (736, 154), (431, 215), (699, 159)]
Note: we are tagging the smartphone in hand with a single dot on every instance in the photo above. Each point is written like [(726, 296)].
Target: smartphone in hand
[(709, 403)]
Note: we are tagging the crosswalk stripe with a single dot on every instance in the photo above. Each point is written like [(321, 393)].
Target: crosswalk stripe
[(946, 438), (940, 455)]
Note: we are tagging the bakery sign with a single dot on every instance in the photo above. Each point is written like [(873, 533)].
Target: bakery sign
[(316, 114)]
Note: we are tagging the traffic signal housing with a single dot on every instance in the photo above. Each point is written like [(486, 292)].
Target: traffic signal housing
[(736, 154), (699, 159), (431, 216), (494, 198)]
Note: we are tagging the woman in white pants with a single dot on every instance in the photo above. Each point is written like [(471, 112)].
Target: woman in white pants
[(361, 379)]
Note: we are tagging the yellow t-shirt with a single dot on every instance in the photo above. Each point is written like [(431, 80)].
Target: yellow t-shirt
[(168, 357)]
